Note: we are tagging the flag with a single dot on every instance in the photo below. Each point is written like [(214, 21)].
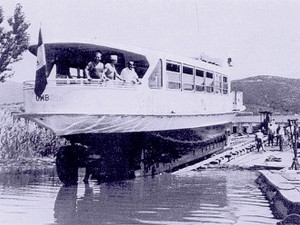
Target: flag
[(41, 69)]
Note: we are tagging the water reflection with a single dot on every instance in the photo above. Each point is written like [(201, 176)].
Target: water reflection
[(65, 205), (195, 197), (207, 197)]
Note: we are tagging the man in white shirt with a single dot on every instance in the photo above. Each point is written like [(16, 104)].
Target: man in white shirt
[(271, 132), (259, 136), (129, 74)]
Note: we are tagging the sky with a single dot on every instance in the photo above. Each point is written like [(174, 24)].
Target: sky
[(261, 36)]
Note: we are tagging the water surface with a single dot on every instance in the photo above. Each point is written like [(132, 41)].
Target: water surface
[(207, 197)]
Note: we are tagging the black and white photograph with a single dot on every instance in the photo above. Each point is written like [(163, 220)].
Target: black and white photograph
[(150, 112)]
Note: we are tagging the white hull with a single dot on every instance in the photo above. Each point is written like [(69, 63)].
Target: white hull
[(69, 124)]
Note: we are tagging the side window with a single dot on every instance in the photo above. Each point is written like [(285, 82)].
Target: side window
[(218, 83), (225, 85), (199, 80), (209, 82), (188, 78), (155, 79), (173, 75)]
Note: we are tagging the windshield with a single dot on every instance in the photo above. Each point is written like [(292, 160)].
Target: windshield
[(78, 55)]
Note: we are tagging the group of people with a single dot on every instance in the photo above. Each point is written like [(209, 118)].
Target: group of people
[(273, 132), (97, 70)]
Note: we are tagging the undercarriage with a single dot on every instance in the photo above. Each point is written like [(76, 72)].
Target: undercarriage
[(109, 157)]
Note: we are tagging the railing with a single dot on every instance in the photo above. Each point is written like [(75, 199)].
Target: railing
[(85, 83)]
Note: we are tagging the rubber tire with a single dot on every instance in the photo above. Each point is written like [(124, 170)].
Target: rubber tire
[(67, 165)]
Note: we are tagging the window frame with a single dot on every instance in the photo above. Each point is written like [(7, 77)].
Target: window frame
[(225, 91), (210, 88), (172, 72), (188, 75), (202, 85)]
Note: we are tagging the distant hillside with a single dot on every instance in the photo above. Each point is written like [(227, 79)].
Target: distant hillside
[(11, 92), (275, 94)]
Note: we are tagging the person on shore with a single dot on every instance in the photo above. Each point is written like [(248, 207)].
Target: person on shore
[(259, 141), (129, 74), (280, 135), (110, 69), (271, 134), (95, 68), (277, 135)]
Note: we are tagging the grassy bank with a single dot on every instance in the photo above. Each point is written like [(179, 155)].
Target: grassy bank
[(24, 141)]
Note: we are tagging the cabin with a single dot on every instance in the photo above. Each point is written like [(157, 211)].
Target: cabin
[(169, 71)]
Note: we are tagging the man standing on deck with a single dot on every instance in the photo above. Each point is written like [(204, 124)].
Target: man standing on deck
[(95, 68), (129, 74), (110, 69)]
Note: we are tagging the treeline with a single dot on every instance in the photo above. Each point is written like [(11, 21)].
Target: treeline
[(21, 138)]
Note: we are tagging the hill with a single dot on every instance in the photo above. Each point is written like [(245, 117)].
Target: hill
[(272, 93), (11, 92)]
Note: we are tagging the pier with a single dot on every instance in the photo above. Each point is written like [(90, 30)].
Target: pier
[(276, 178)]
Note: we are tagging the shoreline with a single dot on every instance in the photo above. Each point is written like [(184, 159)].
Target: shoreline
[(26, 165)]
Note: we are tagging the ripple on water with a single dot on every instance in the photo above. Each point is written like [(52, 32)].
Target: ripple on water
[(206, 197)]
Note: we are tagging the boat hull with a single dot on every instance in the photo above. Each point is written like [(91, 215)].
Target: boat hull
[(117, 147), (70, 124)]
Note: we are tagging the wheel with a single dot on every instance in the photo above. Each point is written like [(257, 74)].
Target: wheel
[(67, 165)]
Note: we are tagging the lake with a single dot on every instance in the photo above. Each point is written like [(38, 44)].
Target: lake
[(207, 197)]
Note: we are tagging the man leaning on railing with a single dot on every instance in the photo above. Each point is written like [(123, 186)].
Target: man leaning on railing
[(95, 68)]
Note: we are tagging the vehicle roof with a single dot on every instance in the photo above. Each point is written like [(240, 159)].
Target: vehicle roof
[(87, 48)]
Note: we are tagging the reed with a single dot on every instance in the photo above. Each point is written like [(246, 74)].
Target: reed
[(21, 138)]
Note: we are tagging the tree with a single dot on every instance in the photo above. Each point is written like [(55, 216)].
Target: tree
[(12, 42)]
